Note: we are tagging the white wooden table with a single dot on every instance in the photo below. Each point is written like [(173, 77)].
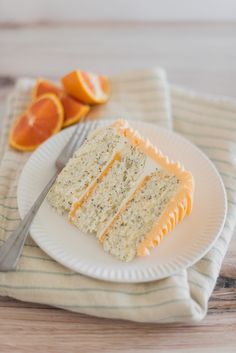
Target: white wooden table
[(202, 57)]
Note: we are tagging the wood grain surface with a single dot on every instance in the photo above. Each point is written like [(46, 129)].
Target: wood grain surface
[(201, 57)]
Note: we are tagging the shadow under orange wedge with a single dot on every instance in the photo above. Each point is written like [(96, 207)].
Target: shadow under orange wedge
[(73, 110), (87, 87), (42, 119)]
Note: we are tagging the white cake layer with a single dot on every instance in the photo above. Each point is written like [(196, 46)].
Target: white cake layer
[(143, 211), (83, 168)]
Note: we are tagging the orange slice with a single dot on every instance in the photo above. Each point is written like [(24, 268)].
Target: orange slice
[(87, 87), (43, 86), (73, 110), (41, 120)]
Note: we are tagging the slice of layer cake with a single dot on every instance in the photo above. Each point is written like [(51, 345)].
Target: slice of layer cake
[(133, 198)]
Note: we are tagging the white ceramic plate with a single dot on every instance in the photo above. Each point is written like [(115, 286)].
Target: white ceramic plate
[(182, 247)]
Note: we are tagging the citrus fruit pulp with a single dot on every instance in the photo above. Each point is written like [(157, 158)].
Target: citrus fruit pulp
[(42, 119)]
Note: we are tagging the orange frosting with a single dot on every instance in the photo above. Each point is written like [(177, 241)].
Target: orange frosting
[(181, 202)]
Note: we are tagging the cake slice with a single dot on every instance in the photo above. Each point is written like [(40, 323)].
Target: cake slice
[(136, 199)]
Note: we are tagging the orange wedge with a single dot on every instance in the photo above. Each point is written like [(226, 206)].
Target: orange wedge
[(87, 87), (73, 110), (41, 120), (43, 86)]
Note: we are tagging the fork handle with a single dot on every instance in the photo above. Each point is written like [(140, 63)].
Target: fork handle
[(11, 250)]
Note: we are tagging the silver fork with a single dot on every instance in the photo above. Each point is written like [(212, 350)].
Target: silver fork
[(12, 248)]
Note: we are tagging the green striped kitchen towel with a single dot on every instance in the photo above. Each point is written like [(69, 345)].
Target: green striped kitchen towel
[(144, 95)]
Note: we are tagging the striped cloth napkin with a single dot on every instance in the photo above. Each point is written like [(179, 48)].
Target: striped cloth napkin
[(208, 122)]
